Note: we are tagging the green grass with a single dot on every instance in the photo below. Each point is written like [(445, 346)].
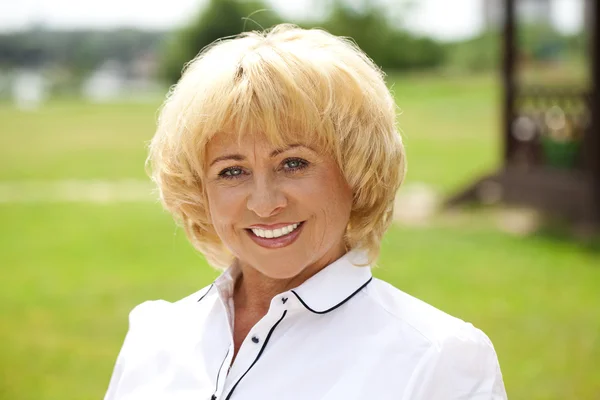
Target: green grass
[(70, 273), (77, 140), (450, 127)]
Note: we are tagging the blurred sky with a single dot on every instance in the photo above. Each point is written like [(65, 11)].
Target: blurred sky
[(442, 19)]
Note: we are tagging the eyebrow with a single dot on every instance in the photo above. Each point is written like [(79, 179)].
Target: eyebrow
[(274, 153)]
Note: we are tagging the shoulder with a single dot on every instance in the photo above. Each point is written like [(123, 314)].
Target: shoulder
[(156, 329), (462, 365), (156, 323), (436, 327), (432, 324), (458, 358), (156, 313)]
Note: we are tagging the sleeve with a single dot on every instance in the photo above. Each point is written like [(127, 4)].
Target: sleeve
[(463, 366), (132, 346)]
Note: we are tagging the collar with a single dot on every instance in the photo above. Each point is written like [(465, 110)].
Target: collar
[(225, 283), (325, 291), (335, 284)]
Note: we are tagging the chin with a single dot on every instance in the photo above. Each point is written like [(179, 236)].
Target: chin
[(279, 273)]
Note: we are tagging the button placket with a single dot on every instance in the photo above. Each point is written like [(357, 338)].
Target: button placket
[(222, 374), (251, 346), (247, 352), (260, 350)]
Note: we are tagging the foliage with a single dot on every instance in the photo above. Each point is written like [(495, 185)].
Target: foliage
[(535, 42), (221, 18), (368, 26), (75, 53), (388, 46), (480, 53)]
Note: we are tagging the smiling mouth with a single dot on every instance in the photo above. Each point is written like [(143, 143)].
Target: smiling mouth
[(275, 233)]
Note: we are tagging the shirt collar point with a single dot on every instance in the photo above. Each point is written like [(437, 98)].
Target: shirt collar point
[(335, 284)]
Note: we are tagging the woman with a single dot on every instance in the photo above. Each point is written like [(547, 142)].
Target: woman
[(278, 153)]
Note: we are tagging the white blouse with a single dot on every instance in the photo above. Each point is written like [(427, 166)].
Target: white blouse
[(341, 335)]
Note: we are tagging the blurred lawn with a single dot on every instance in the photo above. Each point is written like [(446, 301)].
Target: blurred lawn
[(70, 273), (449, 126)]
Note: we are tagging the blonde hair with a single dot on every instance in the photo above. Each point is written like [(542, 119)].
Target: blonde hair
[(289, 84)]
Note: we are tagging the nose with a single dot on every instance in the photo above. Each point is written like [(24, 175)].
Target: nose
[(266, 199)]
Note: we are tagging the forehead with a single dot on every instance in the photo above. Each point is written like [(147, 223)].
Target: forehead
[(250, 142)]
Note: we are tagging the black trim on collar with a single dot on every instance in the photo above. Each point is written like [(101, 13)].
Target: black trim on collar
[(204, 295), (337, 305)]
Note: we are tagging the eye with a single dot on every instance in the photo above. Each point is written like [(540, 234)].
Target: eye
[(231, 172), (295, 164)]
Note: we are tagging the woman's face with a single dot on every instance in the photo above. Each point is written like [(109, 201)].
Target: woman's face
[(281, 211)]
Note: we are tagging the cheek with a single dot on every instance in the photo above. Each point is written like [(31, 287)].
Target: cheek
[(328, 196), (225, 205), (338, 204)]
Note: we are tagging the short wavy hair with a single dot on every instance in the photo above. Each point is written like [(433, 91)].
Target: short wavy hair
[(292, 85)]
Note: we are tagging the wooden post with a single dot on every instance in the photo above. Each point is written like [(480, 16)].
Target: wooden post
[(508, 77), (592, 139)]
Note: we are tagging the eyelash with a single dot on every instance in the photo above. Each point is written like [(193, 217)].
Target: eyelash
[(301, 165)]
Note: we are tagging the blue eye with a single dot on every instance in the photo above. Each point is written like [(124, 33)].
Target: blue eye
[(295, 164), (290, 165), (231, 172)]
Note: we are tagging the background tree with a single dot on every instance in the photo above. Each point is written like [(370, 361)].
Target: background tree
[(381, 37), (219, 19)]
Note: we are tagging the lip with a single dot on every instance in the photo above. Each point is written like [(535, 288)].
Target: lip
[(274, 226), (276, 243)]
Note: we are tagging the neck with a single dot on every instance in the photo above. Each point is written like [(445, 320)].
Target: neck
[(254, 291)]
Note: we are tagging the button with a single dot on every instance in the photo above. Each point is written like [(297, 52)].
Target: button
[(284, 299), (255, 339)]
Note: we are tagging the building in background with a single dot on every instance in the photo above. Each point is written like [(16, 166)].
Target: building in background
[(114, 79), (28, 88)]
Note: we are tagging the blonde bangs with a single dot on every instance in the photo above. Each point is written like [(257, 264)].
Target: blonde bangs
[(293, 86)]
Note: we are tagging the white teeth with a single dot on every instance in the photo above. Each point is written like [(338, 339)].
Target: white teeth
[(275, 233)]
